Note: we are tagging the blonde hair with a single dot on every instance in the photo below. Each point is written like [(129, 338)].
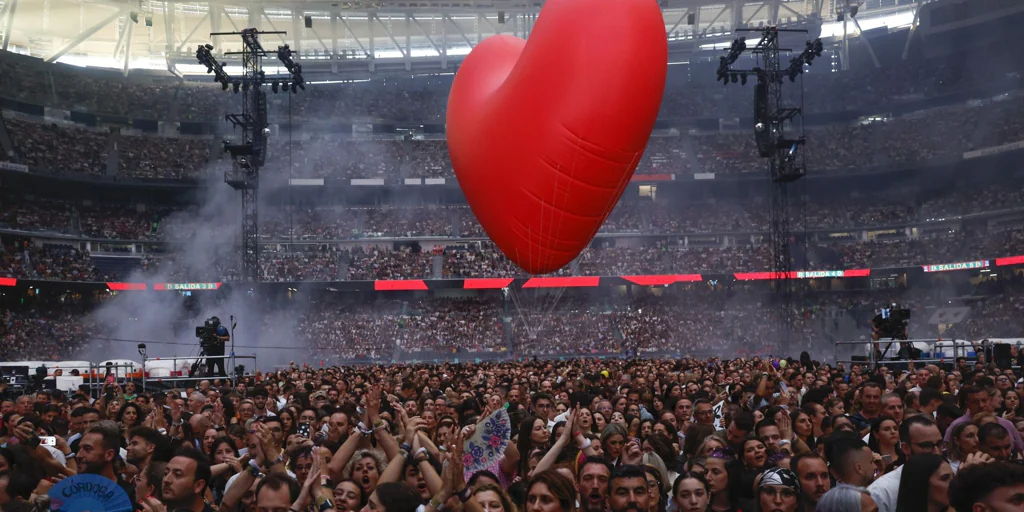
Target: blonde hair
[(363, 454), (506, 501)]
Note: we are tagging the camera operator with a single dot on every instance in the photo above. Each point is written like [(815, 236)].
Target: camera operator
[(215, 343), (891, 323)]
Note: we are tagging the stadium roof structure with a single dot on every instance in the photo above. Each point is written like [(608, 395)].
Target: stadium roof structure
[(343, 39)]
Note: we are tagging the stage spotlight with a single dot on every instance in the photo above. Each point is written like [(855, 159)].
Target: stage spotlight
[(235, 86), (274, 87), (223, 86)]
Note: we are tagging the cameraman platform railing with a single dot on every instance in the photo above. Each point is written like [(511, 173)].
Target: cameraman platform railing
[(98, 373), (941, 351), (149, 364)]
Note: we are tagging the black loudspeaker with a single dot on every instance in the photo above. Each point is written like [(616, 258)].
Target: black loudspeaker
[(763, 127), (309, 22), (691, 18), (1001, 355), (501, 17)]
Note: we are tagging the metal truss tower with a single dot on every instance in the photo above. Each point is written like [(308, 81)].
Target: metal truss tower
[(779, 133), (248, 155)]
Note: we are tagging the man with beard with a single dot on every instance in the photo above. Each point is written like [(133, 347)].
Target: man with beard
[(143, 443), (261, 398), (812, 471), (627, 489), (592, 484), (98, 451), (185, 481)]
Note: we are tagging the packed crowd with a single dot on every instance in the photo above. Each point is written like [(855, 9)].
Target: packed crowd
[(935, 135), (424, 100), (700, 319), (668, 215), (54, 262), (684, 434), (482, 259)]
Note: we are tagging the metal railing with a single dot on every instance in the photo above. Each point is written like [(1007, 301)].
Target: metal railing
[(937, 354), (194, 362)]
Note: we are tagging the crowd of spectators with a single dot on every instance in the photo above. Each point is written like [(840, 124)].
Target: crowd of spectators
[(171, 158), (55, 262), (936, 135), (328, 262), (697, 319), (424, 100), (667, 215)]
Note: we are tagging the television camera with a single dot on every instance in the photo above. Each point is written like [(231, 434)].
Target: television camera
[(891, 322), (210, 344), (207, 333)]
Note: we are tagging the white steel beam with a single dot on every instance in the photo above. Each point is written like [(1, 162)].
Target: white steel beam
[(752, 16), (444, 43), (388, 32), (494, 29), (169, 14), (181, 47), (373, 51), (721, 11), (127, 47), (296, 31), (254, 12), (231, 21), (910, 34), (425, 34), (318, 38), (11, 6), (457, 29), (355, 38), (216, 11), (334, 33), (85, 34), (272, 26), (678, 21), (790, 9), (123, 22), (867, 44), (408, 43)]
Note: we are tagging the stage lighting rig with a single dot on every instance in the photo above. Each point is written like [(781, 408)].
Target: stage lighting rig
[(205, 57), (781, 150), (284, 54), (249, 154)]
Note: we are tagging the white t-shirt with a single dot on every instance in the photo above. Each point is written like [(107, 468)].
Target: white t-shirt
[(886, 490)]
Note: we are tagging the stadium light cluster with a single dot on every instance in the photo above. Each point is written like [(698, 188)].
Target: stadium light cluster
[(284, 54), (205, 57), (811, 51), (738, 47)]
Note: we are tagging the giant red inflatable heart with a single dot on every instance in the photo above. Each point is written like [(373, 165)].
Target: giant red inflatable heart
[(545, 134)]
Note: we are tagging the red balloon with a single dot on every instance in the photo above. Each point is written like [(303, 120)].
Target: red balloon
[(545, 134)]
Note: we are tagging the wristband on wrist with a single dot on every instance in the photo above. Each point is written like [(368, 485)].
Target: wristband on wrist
[(465, 494)]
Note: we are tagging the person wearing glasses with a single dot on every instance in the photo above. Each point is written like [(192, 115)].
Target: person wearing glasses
[(920, 435)]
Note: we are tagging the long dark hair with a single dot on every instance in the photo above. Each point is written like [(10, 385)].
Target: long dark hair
[(525, 445), (874, 444), (913, 496)]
